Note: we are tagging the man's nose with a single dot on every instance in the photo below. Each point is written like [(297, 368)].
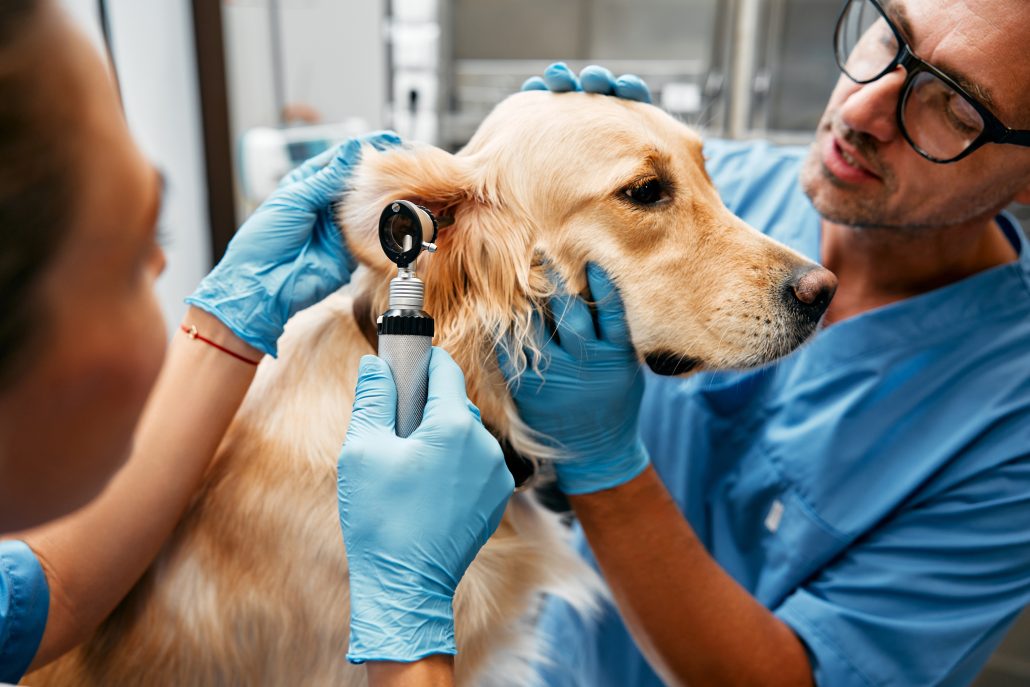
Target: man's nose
[(872, 108)]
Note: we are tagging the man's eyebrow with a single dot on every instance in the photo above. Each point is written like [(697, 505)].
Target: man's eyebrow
[(899, 15), (977, 90)]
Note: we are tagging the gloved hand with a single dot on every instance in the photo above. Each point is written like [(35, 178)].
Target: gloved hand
[(593, 79), (414, 511), (289, 254), (587, 396)]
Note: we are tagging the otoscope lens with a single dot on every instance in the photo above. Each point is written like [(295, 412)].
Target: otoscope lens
[(400, 230), (404, 229)]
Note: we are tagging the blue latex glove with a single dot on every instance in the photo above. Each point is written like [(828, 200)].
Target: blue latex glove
[(587, 396), (414, 511), (593, 79), (289, 254)]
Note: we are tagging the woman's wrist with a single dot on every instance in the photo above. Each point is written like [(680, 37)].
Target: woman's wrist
[(211, 332), (432, 671)]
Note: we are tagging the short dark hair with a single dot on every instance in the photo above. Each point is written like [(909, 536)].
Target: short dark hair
[(35, 189)]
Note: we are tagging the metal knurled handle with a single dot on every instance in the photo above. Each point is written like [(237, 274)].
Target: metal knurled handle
[(408, 358)]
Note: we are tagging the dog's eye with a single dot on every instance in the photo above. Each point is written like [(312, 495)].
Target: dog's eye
[(650, 192)]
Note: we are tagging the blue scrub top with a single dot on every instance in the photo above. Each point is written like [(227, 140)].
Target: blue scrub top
[(872, 489), (24, 604)]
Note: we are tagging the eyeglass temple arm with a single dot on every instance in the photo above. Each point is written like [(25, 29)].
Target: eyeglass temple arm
[(1016, 137)]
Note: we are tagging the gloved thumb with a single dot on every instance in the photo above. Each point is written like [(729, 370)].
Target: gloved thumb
[(611, 313), (375, 399), (446, 394)]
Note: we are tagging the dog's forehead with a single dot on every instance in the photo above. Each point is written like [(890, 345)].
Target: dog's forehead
[(586, 128)]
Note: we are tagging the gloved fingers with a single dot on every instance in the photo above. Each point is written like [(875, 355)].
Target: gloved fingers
[(632, 87), (543, 337), (597, 79), (507, 485), (570, 318), (534, 83), (574, 323), (474, 409), (382, 140), (308, 167), (540, 346), (611, 314), (317, 191), (330, 239), (375, 398), (560, 79), (504, 361), (510, 345)]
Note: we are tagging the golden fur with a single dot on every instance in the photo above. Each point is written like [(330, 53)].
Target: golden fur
[(251, 590)]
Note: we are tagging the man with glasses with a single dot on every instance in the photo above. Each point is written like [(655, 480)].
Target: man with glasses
[(859, 512)]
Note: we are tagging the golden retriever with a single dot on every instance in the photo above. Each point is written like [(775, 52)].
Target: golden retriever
[(252, 588)]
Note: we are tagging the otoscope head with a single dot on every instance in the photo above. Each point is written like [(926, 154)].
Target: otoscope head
[(405, 230)]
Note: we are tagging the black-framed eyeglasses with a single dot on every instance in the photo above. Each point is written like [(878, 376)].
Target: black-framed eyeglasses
[(939, 118)]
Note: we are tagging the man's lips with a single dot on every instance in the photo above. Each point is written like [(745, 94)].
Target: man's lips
[(845, 163)]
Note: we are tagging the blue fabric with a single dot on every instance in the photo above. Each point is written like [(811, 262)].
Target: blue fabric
[(24, 603), (872, 489)]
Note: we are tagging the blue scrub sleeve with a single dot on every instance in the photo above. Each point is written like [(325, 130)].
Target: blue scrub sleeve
[(926, 598), (24, 603)]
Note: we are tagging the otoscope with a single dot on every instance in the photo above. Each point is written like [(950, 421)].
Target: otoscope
[(405, 329)]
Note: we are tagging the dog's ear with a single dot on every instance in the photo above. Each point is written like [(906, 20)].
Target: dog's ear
[(422, 174), (485, 251), (483, 284)]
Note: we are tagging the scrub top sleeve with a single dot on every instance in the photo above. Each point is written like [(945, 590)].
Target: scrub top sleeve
[(24, 603), (925, 598)]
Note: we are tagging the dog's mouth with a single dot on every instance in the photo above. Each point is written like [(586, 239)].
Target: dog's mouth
[(670, 364)]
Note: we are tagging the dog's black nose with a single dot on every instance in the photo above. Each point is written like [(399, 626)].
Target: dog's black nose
[(809, 291)]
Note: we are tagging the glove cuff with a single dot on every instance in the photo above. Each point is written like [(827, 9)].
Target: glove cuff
[(241, 308), (223, 310), (587, 475), (388, 628)]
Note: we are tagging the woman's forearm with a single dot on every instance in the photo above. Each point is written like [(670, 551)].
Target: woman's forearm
[(94, 556), (694, 623), (432, 671)]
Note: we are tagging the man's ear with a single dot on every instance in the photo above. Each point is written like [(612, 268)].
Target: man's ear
[(422, 174)]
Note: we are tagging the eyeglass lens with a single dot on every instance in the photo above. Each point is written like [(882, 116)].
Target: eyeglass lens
[(938, 120)]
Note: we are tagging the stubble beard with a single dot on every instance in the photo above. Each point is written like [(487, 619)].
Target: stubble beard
[(840, 202), (844, 204)]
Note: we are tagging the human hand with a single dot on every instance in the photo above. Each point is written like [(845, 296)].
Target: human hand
[(414, 511), (586, 397), (558, 78), (289, 254)]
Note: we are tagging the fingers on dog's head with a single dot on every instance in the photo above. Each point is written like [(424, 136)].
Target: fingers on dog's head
[(611, 313)]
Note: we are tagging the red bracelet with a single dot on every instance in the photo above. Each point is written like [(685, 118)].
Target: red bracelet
[(191, 331)]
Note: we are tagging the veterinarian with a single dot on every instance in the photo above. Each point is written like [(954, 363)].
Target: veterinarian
[(106, 435), (859, 512)]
